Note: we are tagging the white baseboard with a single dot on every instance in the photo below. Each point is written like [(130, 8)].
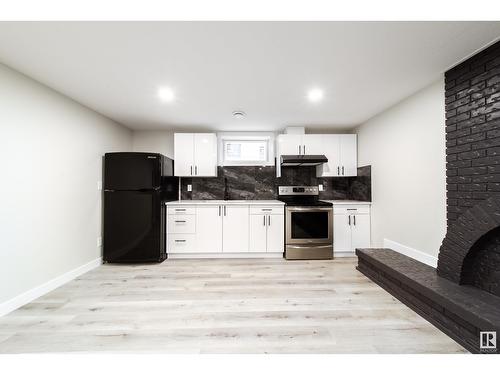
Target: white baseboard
[(49, 286), (224, 255), (412, 253), (344, 254)]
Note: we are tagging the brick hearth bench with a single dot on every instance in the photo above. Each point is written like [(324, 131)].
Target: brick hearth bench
[(460, 311)]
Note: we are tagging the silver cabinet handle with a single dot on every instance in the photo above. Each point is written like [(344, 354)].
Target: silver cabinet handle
[(269, 220), (299, 149), (180, 240), (266, 209), (191, 170), (338, 170), (180, 209), (354, 216), (342, 170), (349, 219), (304, 149), (224, 210), (219, 210), (180, 221), (264, 220), (196, 170)]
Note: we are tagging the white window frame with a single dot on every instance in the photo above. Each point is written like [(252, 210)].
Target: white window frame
[(246, 136)]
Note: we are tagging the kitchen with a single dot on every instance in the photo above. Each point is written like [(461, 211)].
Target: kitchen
[(238, 226), (249, 187)]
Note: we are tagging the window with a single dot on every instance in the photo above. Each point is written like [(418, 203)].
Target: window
[(245, 150)]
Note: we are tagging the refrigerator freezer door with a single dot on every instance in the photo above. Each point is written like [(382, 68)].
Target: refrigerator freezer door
[(133, 226), (132, 171)]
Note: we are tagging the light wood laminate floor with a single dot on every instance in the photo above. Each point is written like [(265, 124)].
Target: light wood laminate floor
[(222, 306)]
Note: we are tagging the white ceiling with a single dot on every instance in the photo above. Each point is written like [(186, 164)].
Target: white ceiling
[(262, 68)]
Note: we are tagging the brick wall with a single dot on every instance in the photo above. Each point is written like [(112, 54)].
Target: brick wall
[(472, 91)]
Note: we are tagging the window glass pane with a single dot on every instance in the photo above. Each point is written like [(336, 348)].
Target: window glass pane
[(245, 150)]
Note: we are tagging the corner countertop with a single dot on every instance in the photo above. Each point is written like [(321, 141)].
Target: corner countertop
[(253, 202), (346, 202)]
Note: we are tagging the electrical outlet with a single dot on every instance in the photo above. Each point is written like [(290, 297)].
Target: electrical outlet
[(320, 186), (99, 185), (190, 187), (99, 241)]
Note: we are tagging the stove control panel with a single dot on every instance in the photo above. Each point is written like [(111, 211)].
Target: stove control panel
[(298, 190)]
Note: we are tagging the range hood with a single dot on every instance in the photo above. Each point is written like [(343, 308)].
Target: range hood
[(302, 160)]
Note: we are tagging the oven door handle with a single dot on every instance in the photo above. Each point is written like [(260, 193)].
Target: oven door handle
[(311, 209), (308, 246)]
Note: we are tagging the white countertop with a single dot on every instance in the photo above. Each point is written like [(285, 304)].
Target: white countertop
[(253, 202), (340, 202)]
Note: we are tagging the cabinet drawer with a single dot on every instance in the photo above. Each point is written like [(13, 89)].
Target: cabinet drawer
[(181, 243), (354, 209), (181, 224), (267, 210), (181, 210)]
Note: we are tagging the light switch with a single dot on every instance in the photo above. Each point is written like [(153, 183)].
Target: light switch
[(320, 187), (190, 187)]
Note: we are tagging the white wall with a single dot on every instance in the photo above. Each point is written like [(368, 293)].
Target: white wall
[(406, 147), (51, 152), (160, 141)]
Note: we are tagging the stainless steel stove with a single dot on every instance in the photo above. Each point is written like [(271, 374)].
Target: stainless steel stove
[(308, 223)]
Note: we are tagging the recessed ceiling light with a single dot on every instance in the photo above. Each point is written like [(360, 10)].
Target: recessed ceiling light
[(166, 94), (239, 114), (315, 95)]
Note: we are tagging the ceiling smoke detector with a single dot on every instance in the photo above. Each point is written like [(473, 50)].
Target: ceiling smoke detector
[(239, 114)]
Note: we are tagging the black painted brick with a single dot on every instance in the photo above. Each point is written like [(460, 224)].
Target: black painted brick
[(472, 102)]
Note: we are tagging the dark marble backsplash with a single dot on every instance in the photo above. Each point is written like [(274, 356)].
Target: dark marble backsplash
[(262, 183)]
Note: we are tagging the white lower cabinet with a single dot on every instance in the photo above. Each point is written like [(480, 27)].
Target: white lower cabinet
[(351, 228), (267, 233), (208, 229), (276, 234), (225, 228), (235, 229), (258, 233)]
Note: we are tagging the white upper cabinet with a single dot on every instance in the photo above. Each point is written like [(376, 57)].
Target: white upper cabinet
[(341, 152), (348, 155), (183, 154), (331, 147), (289, 144), (312, 144), (195, 154)]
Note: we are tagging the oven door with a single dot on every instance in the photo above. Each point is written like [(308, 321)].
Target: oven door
[(309, 225)]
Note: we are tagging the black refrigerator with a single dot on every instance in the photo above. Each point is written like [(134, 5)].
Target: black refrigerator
[(136, 187)]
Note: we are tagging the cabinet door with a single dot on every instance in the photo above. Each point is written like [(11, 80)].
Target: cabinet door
[(341, 233), (331, 149), (348, 155), (312, 144), (235, 229), (183, 154), (275, 233), (288, 144), (209, 229), (360, 231), (205, 155), (258, 233)]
